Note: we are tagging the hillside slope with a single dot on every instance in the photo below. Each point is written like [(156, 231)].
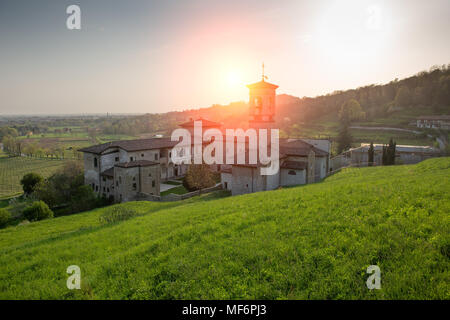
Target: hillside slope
[(309, 242)]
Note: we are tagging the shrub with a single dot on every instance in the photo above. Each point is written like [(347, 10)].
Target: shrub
[(116, 214), (4, 217), (38, 211), (198, 176), (30, 181)]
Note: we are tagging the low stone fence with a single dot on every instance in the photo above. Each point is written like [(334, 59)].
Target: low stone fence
[(177, 197)]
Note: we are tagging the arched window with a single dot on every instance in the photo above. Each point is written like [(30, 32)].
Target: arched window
[(258, 102), (292, 172)]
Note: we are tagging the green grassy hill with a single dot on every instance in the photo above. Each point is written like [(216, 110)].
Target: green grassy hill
[(309, 242)]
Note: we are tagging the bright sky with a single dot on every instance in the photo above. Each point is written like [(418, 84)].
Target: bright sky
[(159, 56)]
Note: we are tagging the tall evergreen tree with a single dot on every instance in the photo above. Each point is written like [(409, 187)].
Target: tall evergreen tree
[(371, 154), (391, 152), (344, 138), (384, 157)]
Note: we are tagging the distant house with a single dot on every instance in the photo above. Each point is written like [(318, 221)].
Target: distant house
[(404, 154), (434, 122)]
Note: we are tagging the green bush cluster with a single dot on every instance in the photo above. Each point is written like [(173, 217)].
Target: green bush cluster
[(4, 217), (116, 214), (39, 210)]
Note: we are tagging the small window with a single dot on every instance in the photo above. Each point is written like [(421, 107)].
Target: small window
[(131, 158), (107, 189), (120, 179), (156, 156), (104, 179), (117, 183), (258, 102), (104, 189), (96, 188), (95, 162), (246, 185), (170, 154), (142, 155), (150, 174), (292, 172), (93, 186), (117, 159), (134, 186), (153, 183), (134, 178), (226, 185)]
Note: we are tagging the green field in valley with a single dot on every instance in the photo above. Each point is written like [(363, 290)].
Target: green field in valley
[(308, 242), (12, 169)]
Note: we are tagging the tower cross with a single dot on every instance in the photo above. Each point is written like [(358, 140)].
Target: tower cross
[(263, 75)]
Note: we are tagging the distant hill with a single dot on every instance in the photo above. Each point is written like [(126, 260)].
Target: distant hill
[(307, 242), (427, 92)]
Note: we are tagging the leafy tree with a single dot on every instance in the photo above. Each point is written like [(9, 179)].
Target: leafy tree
[(39, 210), (30, 181), (344, 139), (59, 188), (5, 215), (371, 154), (403, 97), (351, 110), (7, 131), (198, 176)]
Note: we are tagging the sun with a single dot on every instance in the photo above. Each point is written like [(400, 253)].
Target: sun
[(233, 78)]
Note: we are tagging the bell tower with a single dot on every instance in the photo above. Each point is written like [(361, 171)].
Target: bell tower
[(262, 103)]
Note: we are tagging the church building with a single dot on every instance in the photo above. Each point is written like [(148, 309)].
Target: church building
[(129, 170), (301, 161)]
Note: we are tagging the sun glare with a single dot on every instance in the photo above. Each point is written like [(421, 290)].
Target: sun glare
[(234, 78)]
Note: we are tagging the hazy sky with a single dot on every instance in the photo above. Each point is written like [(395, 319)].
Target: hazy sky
[(157, 56)]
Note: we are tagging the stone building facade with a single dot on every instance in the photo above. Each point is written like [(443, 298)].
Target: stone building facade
[(122, 170)]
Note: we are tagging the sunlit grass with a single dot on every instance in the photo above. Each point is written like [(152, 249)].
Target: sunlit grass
[(308, 242)]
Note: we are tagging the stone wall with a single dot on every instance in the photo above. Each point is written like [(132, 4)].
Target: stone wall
[(247, 180), (291, 180), (227, 180), (150, 180), (91, 173)]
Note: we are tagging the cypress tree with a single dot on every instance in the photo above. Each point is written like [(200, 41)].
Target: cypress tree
[(371, 154)]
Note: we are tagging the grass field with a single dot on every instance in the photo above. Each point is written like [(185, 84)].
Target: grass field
[(12, 169), (309, 242), (176, 190)]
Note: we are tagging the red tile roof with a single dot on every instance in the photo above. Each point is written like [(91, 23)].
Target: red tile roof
[(137, 163), (132, 145), (262, 84)]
